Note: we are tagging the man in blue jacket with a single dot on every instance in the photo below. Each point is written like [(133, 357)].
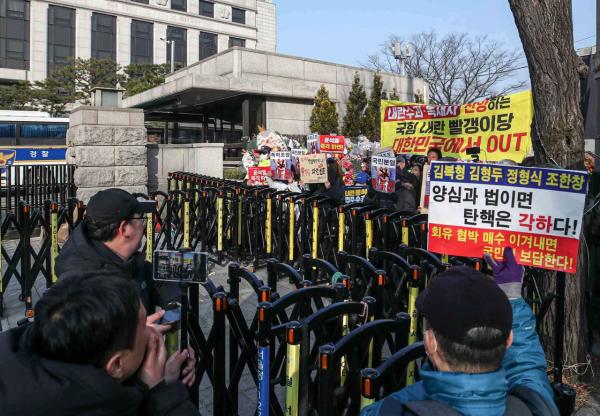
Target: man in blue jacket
[(480, 338)]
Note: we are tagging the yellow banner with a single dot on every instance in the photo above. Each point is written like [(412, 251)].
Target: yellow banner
[(500, 126)]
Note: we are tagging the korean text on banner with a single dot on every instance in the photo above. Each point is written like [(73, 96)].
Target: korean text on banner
[(500, 126), (481, 208), (296, 153), (313, 168), (355, 194), (383, 173), (257, 176), (281, 165), (331, 144)]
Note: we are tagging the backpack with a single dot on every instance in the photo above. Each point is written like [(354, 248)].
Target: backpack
[(521, 401)]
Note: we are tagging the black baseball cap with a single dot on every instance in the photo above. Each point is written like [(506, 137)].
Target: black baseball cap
[(460, 299), (115, 205)]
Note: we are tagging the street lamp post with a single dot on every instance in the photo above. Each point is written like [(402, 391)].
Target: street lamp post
[(402, 54), (172, 43)]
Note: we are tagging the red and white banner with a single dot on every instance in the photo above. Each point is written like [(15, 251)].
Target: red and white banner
[(479, 208)]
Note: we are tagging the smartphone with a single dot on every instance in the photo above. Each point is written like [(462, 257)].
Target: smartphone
[(172, 315), (182, 266)]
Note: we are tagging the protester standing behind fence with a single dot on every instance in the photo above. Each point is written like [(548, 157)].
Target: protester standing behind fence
[(334, 187)]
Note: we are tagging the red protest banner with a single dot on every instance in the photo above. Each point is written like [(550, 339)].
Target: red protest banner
[(331, 144), (257, 176)]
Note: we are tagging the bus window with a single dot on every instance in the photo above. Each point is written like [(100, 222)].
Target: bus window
[(57, 131), (7, 130)]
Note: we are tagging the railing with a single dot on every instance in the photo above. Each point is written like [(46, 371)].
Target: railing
[(34, 184)]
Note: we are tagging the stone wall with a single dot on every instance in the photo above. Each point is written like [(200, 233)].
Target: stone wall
[(108, 146), (200, 158)]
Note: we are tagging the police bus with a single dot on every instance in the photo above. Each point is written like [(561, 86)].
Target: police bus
[(32, 156), (30, 137)]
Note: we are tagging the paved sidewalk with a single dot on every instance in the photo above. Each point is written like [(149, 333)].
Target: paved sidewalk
[(15, 311)]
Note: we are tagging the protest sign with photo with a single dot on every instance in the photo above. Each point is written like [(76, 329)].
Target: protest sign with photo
[(296, 153), (331, 144), (500, 126), (257, 176), (482, 208), (355, 194), (313, 144), (313, 168), (384, 152), (281, 164), (383, 174)]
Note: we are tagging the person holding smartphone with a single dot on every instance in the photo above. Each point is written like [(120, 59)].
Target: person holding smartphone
[(90, 352), (108, 241)]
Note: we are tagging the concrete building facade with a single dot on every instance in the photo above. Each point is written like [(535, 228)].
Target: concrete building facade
[(230, 81), (247, 88), (38, 35)]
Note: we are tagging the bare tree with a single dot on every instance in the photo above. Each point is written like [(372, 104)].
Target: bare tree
[(458, 68), (546, 31)]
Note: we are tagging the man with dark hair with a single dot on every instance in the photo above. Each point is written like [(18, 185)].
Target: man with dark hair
[(90, 352), (108, 240), (433, 154), (481, 341)]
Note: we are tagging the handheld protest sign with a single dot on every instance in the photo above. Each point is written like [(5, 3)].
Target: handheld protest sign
[(478, 208), (281, 165), (331, 144), (313, 144), (500, 126), (257, 175), (354, 194), (383, 173), (313, 168), (296, 153)]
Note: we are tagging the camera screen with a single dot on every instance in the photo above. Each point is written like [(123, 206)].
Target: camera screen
[(178, 266)]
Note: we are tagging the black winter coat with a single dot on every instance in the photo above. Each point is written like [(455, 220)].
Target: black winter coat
[(34, 386), (82, 256)]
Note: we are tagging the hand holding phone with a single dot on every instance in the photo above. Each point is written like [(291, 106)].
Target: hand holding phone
[(172, 314)]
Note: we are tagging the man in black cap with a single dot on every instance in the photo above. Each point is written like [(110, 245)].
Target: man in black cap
[(486, 358), (107, 242)]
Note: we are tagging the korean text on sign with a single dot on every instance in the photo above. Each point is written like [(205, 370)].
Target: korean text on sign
[(480, 208), (331, 144), (355, 194), (500, 126), (383, 173), (257, 176), (281, 165), (313, 168)]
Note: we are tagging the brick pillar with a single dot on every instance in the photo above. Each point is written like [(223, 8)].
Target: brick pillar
[(108, 146)]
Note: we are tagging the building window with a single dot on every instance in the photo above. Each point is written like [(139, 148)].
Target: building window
[(237, 42), (61, 37), (178, 35), (142, 42), (238, 15), (207, 8), (179, 5), (14, 34), (104, 36), (208, 44)]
